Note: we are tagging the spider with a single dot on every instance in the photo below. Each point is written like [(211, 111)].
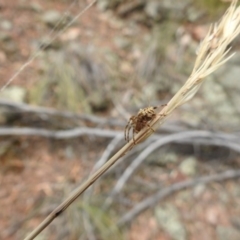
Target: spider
[(139, 121)]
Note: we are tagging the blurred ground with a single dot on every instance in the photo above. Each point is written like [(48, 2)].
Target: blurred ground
[(115, 54)]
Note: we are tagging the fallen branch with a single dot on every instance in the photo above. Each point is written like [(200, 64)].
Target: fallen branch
[(46, 113), (228, 140), (163, 193), (61, 134)]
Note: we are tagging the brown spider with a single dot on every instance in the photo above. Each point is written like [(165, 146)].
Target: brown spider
[(138, 122)]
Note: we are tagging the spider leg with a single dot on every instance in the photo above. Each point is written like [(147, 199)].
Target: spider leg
[(133, 133), (126, 131), (128, 128), (127, 136)]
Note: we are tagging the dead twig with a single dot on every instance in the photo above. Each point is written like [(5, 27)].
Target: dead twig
[(61, 134), (229, 140), (163, 193), (45, 112)]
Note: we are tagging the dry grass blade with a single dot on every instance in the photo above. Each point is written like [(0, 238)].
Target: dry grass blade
[(211, 55)]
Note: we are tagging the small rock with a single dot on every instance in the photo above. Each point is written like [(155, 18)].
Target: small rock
[(170, 158), (199, 190), (6, 25), (170, 9), (153, 10), (189, 166), (54, 18), (103, 5), (169, 220), (98, 102), (51, 18), (165, 159), (14, 93), (36, 7)]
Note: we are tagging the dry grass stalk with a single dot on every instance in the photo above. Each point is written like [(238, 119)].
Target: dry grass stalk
[(212, 53)]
